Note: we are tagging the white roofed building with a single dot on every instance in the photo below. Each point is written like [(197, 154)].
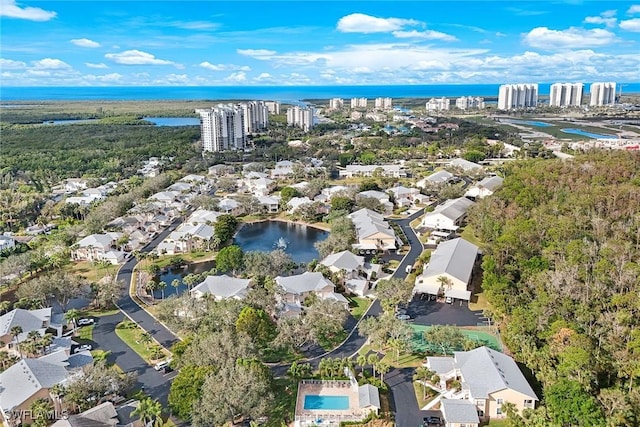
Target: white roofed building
[(297, 288), (95, 247), (222, 287), (373, 232), (484, 188), (447, 216), (436, 178), (449, 270)]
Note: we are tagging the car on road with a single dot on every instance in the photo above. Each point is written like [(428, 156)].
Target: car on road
[(161, 365), (86, 321), (448, 300), (167, 369), (403, 317), (432, 421), (83, 347)]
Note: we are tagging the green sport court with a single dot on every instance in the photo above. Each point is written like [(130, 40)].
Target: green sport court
[(419, 344)]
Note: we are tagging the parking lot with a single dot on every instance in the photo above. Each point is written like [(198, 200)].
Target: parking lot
[(428, 312)]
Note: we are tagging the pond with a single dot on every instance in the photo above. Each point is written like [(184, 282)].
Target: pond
[(531, 123), (588, 134), (179, 273), (295, 239), (173, 121)]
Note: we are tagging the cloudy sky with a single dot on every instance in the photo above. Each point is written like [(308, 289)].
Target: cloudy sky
[(110, 43)]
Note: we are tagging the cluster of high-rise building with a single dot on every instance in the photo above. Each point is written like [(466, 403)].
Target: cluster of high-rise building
[(359, 102), (336, 103), (438, 104), (383, 103), (603, 93), (469, 102), (226, 126), (518, 96), (522, 96), (301, 117)]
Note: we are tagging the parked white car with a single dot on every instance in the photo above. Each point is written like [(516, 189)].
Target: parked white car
[(83, 347), (85, 322)]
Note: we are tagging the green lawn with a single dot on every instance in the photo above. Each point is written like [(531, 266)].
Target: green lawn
[(98, 313), (283, 409), (469, 235), (85, 333), (484, 338), (358, 306), (406, 360), (421, 391), (498, 423), (131, 334)]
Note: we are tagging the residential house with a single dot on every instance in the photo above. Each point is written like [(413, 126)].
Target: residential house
[(484, 188), (489, 379), (437, 178), (168, 199), (221, 170), (296, 202), (391, 171), (270, 203), (346, 263), (449, 270), (447, 216), (186, 238), (222, 287), (180, 187), (336, 190), (257, 186), (203, 216), (459, 413), (73, 185), (7, 242), (95, 247), (231, 207), (103, 415), (373, 232), (466, 165), (29, 320), (297, 288), (283, 169), (401, 193)]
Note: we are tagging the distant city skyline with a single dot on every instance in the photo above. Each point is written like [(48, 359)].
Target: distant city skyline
[(245, 43)]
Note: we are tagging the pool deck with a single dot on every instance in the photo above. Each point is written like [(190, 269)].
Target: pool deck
[(328, 388)]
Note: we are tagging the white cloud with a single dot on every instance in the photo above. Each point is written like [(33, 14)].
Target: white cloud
[(361, 23), (92, 65), (10, 9), (634, 9), (50, 64), (9, 64), (136, 57), (193, 25), (224, 67), (238, 77), (264, 76), (256, 53), (609, 13), (544, 38), (85, 43), (632, 25), (609, 22), (425, 35)]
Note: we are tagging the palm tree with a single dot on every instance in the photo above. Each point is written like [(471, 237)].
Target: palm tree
[(146, 338), (41, 410), (4, 359), (150, 287), (383, 368), (361, 360), (373, 359), (46, 341), (423, 374), (5, 306), (148, 410), (15, 331), (72, 316), (162, 285), (176, 284)]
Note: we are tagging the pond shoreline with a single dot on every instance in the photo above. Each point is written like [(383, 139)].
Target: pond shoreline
[(288, 221)]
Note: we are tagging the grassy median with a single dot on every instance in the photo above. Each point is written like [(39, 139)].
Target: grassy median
[(135, 338)]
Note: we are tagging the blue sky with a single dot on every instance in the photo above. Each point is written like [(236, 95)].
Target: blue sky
[(140, 43)]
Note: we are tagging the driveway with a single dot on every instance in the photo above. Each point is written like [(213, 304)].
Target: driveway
[(427, 312), (403, 398), (155, 383)]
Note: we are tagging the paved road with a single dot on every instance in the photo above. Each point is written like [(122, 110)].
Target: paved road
[(403, 398), (155, 383), (165, 337), (427, 312), (414, 241)]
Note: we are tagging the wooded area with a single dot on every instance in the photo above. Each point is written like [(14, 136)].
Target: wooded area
[(561, 272)]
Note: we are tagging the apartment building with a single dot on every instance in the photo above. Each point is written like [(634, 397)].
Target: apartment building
[(359, 102), (223, 128), (469, 102), (384, 103), (336, 103), (273, 107), (301, 117), (566, 94), (256, 116), (438, 104), (603, 93), (518, 96)]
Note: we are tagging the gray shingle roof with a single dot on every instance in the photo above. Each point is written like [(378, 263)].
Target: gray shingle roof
[(453, 208), (368, 395), (459, 411), (27, 377), (305, 282), (491, 183), (465, 164), (486, 371), (455, 257), (224, 286), (29, 320), (344, 260), (441, 365), (368, 222), (439, 177)]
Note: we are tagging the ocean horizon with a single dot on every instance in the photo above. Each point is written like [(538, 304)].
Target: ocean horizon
[(275, 93)]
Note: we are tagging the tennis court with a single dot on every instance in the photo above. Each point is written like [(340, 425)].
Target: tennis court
[(484, 338)]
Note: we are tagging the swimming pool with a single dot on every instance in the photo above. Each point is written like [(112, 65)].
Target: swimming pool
[(531, 123), (588, 134), (314, 401)]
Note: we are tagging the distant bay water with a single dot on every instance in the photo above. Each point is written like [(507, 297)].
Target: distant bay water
[(275, 93)]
